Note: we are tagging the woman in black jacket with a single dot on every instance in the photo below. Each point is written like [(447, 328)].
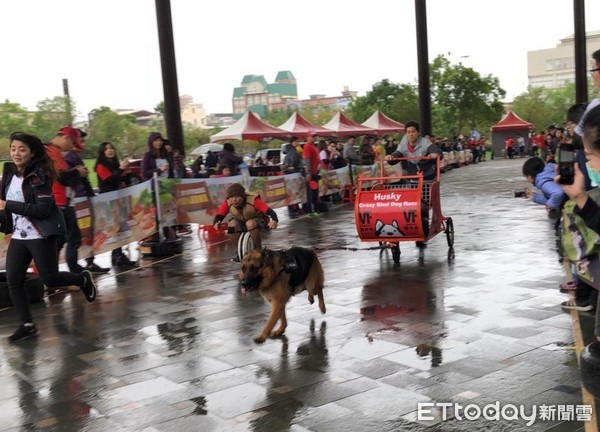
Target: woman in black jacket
[(112, 175), (30, 214)]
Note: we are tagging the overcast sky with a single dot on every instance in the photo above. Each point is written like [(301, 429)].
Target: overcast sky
[(109, 52)]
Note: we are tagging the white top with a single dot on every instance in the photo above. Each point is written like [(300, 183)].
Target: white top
[(23, 229), (159, 164)]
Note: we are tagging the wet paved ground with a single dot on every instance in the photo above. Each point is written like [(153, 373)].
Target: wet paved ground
[(169, 347)]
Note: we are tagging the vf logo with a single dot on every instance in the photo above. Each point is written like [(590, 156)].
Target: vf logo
[(410, 216), (365, 218)]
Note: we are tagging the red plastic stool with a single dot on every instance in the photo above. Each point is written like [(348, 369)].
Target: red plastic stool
[(348, 193), (212, 234)]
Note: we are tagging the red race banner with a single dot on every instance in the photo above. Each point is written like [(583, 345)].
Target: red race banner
[(389, 214)]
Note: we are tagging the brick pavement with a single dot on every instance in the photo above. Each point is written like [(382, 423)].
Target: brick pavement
[(169, 347)]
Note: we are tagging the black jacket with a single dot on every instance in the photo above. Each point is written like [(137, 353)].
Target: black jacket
[(230, 160), (39, 205), (115, 181)]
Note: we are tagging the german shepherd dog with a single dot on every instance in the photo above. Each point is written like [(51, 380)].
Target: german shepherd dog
[(278, 275)]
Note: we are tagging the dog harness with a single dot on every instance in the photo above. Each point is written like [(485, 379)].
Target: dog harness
[(297, 262)]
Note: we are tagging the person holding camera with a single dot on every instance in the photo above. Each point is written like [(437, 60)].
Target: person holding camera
[(542, 177), (586, 207)]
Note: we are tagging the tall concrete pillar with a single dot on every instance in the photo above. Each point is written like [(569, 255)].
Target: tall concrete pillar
[(423, 64), (169, 74), (581, 60)]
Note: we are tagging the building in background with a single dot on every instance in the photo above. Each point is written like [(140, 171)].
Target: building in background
[(256, 95), (142, 117), (222, 120), (319, 102), (192, 113), (260, 97), (555, 67)]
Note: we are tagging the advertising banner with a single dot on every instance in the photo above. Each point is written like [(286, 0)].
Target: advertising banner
[(192, 201), (123, 216), (117, 218), (389, 214), (85, 214)]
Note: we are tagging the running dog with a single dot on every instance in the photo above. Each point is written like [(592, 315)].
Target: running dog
[(278, 275)]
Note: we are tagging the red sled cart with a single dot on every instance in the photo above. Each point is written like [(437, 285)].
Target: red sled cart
[(390, 209)]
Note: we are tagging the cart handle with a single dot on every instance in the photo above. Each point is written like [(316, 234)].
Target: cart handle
[(433, 156)]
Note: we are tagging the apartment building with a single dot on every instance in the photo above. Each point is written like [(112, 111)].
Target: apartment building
[(554, 67)]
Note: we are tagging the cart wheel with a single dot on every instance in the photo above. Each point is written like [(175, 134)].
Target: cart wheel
[(245, 244), (450, 232), (396, 252)]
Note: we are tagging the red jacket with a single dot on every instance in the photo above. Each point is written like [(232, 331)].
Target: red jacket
[(65, 177), (58, 190), (311, 152)]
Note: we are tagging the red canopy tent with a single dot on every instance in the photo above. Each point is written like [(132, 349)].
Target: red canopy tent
[(343, 126), (299, 126), (509, 126), (511, 121), (383, 124), (250, 127)]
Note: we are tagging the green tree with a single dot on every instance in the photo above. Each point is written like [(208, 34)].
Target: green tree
[(398, 101), (121, 130), (13, 118), (51, 115), (462, 99), (531, 106), (193, 137), (543, 107), (278, 117), (160, 107), (319, 114)]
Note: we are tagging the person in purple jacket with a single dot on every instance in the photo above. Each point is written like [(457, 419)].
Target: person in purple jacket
[(228, 158), (156, 159), (542, 177)]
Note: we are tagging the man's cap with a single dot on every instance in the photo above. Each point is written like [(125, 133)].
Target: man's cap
[(73, 133), (236, 189), (311, 133)]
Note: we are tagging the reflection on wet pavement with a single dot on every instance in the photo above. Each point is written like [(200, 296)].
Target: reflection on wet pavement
[(169, 347)]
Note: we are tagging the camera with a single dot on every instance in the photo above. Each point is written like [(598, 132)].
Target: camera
[(566, 164), (519, 193)]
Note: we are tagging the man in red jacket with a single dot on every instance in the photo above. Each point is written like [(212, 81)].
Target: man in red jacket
[(64, 141), (312, 162)]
